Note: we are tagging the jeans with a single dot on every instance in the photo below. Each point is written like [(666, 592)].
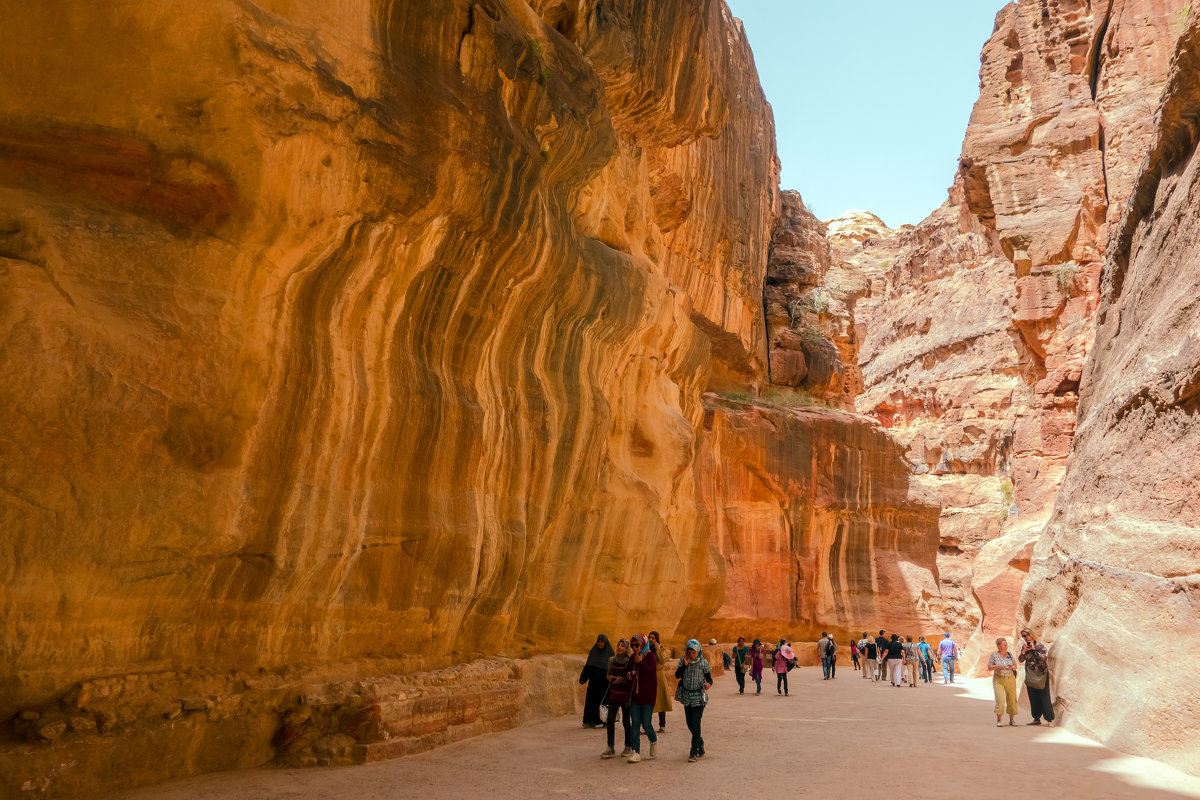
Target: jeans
[(612, 722), (854, 658), (926, 668), (781, 682), (826, 666), (741, 679), (693, 714), (642, 715), (1039, 703), (948, 670)]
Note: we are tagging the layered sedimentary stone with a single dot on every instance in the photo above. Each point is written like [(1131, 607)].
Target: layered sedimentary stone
[(818, 521), (810, 297), (373, 338), (986, 383), (1116, 571)]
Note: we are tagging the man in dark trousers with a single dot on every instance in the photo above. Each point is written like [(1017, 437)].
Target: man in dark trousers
[(881, 643), (741, 663)]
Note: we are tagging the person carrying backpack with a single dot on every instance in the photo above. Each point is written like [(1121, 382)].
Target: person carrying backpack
[(785, 659)]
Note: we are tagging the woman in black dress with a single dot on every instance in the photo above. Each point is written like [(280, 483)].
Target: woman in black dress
[(595, 675)]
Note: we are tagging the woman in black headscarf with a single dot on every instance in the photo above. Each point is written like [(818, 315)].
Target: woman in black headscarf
[(595, 675)]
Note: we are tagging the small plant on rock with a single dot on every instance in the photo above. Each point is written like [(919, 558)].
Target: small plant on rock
[(1065, 275)]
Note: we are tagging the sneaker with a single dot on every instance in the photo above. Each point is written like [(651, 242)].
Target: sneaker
[(1049, 723), (1035, 722), (998, 725), (653, 751), (609, 753), (626, 752), (636, 756), (1012, 723), (662, 729), (693, 758)]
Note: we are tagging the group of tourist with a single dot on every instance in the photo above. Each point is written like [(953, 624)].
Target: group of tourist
[(629, 682), (904, 662)]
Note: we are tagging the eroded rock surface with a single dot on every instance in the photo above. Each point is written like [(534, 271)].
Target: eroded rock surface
[(818, 520), (373, 337), (974, 353), (1116, 571)]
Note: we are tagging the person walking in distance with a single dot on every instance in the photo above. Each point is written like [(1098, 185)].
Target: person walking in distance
[(832, 652), (895, 660), (695, 678), (911, 656), (823, 652), (948, 651), (1037, 678), (881, 644), (618, 699), (783, 662), (854, 652), (741, 663), (926, 662), (595, 675), (870, 657), (643, 674), (1003, 667), (756, 664), (662, 703)]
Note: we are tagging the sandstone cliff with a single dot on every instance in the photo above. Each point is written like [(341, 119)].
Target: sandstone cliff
[(818, 520), (1116, 571), (343, 343), (974, 354)]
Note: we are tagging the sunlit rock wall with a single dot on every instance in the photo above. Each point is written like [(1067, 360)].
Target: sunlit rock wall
[(1118, 570), (368, 335), (986, 384), (818, 520)]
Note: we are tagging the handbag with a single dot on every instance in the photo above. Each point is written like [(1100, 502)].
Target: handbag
[(1035, 679), (604, 707)]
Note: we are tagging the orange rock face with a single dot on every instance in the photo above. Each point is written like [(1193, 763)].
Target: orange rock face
[(974, 352), (1116, 570), (818, 522), (363, 340)]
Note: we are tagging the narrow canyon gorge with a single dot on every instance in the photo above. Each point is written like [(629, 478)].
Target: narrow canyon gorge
[(362, 361)]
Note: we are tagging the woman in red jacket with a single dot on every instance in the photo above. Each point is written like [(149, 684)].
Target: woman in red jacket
[(643, 673)]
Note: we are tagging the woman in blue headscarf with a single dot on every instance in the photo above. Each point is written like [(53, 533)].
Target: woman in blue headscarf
[(695, 678)]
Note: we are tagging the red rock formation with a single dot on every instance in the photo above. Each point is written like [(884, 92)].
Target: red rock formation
[(1116, 571), (818, 521), (362, 340), (990, 388)]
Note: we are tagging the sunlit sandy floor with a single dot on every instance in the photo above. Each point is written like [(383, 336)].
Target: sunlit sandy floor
[(828, 739)]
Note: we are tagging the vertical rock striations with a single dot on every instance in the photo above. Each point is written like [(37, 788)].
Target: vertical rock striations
[(1117, 569), (985, 393), (363, 341)]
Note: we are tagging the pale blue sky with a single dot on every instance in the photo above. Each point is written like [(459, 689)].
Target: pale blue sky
[(871, 98)]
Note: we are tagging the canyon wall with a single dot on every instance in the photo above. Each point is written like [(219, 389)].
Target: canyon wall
[(343, 344), (819, 521), (974, 354), (1116, 571)]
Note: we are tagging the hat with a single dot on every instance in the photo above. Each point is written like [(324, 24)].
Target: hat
[(712, 641), (946, 634), (787, 652)]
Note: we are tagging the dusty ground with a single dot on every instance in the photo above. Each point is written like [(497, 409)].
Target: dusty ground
[(931, 742)]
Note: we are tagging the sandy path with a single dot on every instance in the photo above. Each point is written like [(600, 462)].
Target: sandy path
[(931, 742)]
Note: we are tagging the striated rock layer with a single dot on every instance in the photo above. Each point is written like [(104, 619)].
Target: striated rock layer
[(1116, 571), (818, 521), (974, 356), (368, 339)]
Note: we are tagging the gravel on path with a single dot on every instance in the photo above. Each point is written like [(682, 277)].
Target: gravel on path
[(829, 739)]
